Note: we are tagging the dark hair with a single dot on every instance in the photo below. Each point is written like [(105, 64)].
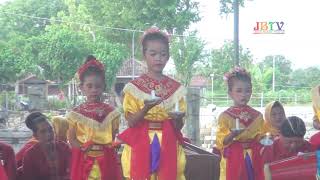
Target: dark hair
[(89, 57), (91, 71), (278, 104), (241, 76), (151, 36), (33, 119), (293, 127)]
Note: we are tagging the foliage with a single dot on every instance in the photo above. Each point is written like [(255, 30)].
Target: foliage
[(221, 61), (7, 97), (308, 77), (13, 22), (186, 51), (112, 54), (140, 14), (50, 38), (261, 78), (226, 6), (14, 59), (282, 70)]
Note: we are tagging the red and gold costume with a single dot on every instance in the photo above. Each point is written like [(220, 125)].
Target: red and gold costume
[(277, 151), (37, 164), (315, 94), (94, 123), (137, 161), (8, 163), (60, 127), (233, 163)]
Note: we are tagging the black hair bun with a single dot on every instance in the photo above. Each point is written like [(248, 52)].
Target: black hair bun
[(33, 118), (89, 58)]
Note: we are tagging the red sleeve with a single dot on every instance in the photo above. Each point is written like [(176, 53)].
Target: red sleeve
[(22, 152), (9, 161), (272, 153), (267, 154), (29, 170), (3, 174), (66, 156)]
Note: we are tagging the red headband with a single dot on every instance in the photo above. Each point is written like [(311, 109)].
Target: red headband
[(91, 63), (155, 30)]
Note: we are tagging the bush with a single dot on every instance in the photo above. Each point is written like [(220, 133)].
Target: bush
[(56, 104)]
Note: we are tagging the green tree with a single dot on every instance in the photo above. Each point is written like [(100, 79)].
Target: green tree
[(54, 46), (15, 59), (226, 6), (186, 51), (61, 51), (140, 14), (308, 77), (221, 61), (260, 78), (282, 69), (19, 16), (175, 16), (112, 54)]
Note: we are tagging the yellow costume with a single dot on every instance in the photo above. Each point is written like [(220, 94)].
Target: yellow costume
[(134, 97), (97, 125), (315, 95), (249, 119), (60, 126)]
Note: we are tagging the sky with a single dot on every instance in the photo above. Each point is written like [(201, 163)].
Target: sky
[(298, 44)]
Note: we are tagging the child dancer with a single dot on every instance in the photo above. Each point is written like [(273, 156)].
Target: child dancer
[(239, 128), (91, 128), (153, 142)]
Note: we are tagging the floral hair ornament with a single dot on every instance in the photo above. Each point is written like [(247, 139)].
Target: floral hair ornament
[(91, 63), (155, 30), (233, 73)]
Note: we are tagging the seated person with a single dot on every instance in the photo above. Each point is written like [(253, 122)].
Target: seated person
[(47, 159), (290, 142), (7, 162), (274, 116), (27, 145), (60, 126)]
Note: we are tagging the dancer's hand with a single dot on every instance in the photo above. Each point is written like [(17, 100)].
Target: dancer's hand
[(150, 103)]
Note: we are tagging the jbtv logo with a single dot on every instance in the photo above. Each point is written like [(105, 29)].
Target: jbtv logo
[(269, 28)]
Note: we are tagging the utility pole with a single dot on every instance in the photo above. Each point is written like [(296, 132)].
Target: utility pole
[(132, 58), (212, 75), (236, 31), (273, 73)]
